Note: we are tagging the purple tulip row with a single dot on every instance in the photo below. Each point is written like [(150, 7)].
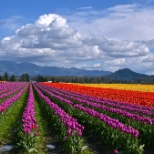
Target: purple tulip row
[(119, 105), (10, 92), (119, 111), (114, 110), (105, 108), (9, 87), (9, 101), (29, 122), (114, 123), (57, 96), (5, 90), (70, 122)]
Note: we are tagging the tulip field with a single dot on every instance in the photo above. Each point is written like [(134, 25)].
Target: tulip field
[(65, 118)]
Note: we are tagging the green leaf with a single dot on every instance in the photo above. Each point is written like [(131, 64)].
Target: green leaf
[(83, 148), (31, 150)]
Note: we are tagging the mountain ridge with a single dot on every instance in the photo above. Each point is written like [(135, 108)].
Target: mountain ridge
[(126, 75), (33, 69), (17, 69)]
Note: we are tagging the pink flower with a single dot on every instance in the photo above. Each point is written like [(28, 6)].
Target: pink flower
[(80, 133), (69, 131), (36, 134), (72, 134), (116, 151)]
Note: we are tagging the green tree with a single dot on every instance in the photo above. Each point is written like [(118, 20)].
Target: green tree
[(25, 77), (40, 78), (5, 76), (12, 78)]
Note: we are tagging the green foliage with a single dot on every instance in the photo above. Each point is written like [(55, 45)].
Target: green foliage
[(9, 119), (70, 144), (25, 77), (40, 78), (125, 143), (5, 76), (27, 142), (12, 78), (73, 144)]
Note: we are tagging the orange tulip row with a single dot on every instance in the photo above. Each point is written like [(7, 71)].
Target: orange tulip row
[(129, 96)]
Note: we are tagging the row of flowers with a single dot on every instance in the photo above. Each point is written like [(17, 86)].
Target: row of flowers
[(67, 128), (10, 92), (8, 87), (135, 87), (129, 96), (141, 122), (28, 118), (29, 130), (4, 105), (114, 129), (132, 108), (115, 123)]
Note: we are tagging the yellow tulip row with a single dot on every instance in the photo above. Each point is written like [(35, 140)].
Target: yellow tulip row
[(135, 87)]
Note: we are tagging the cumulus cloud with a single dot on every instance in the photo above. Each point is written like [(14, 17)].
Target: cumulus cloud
[(148, 43), (118, 48), (51, 41), (51, 38), (126, 22)]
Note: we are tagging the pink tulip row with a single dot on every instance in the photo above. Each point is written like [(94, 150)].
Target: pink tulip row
[(114, 123), (29, 122), (70, 122), (9, 87), (57, 96), (4, 105), (10, 92)]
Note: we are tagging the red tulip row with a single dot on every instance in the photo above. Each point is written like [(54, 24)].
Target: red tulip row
[(129, 96)]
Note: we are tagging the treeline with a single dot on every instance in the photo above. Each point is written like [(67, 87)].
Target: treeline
[(87, 79), (73, 79), (24, 77)]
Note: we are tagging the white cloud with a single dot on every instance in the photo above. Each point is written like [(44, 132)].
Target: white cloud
[(84, 8), (148, 43), (51, 41), (7, 38), (126, 22), (149, 58), (51, 20), (97, 66)]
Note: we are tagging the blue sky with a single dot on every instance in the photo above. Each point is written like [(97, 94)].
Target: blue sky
[(37, 7), (107, 35)]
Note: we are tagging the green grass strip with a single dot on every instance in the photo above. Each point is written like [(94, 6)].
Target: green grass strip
[(41, 140), (9, 121), (5, 98)]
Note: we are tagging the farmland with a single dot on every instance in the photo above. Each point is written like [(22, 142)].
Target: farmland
[(72, 118)]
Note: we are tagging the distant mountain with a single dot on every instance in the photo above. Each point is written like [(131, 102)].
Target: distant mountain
[(32, 69), (126, 75)]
